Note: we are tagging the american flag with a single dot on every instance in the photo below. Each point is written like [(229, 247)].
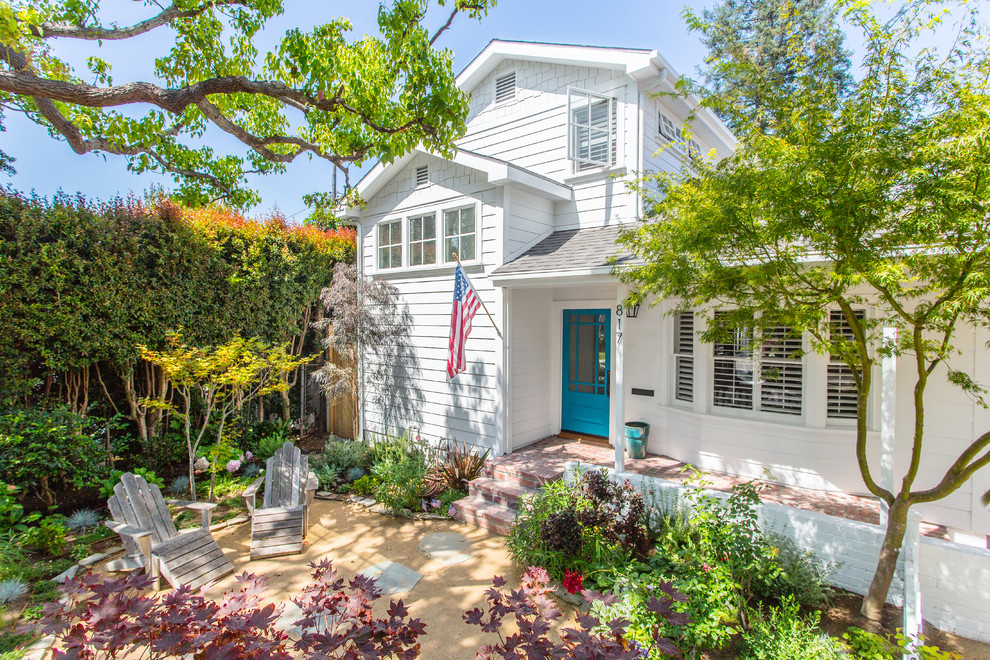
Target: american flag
[(466, 304)]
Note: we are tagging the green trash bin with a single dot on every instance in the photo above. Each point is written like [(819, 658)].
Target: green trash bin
[(637, 433)]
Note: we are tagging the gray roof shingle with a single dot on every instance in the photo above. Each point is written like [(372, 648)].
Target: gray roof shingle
[(572, 248)]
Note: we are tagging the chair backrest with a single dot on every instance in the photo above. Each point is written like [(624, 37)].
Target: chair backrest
[(285, 477), (137, 503)]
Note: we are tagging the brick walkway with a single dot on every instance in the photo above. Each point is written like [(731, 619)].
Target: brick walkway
[(548, 456)]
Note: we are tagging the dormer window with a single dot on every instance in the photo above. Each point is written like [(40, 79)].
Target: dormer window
[(590, 128), (422, 176), (505, 87), (667, 128)]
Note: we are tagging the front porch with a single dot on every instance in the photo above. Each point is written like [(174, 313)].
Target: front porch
[(493, 498)]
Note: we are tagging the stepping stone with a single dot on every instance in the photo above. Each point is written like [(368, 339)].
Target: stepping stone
[(365, 501), (92, 559), (287, 620), (392, 578), (67, 575), (448, 548)]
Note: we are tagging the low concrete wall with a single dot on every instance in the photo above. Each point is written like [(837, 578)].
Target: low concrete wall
[(954, 578)]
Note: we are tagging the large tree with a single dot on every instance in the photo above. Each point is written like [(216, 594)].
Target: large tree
[(843, 195), (317, 93)]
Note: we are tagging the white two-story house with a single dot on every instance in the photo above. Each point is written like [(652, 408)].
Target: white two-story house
[(532, 203)]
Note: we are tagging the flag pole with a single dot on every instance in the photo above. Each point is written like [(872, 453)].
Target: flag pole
[(455, 255)]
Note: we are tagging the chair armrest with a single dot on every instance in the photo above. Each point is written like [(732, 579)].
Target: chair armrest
[(251, 493), (312, 483), (126, 530)]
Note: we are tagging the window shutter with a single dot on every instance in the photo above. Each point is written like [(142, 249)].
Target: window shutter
[(684, 356), (505, 87), (733, 377), (422, 175), (781, 372), (842, 395)]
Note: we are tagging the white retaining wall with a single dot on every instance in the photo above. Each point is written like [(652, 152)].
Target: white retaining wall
[(955, 579)]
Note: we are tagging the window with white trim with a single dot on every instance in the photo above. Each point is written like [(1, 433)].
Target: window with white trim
[(590, 128), (505, 87), (842, 396), (684, 356), (390, 244), (460, 234), (759, 373), (667, 128), (423, 240)]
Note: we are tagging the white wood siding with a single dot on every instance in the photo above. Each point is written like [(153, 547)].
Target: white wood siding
[(534, 414)]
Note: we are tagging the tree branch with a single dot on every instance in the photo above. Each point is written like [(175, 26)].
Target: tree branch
[(99, 33)]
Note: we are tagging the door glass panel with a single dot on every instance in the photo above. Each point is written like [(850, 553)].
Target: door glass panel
[(584, 388), (602, 367), (587, 350), (586, 318)]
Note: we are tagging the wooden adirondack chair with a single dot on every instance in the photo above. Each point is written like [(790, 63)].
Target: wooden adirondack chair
[(280, 523), (143, 522)]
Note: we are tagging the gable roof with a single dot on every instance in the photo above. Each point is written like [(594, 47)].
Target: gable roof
[(640, 63), (572, 249), (499, 172)]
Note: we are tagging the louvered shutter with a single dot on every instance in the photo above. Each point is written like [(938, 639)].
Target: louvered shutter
[(422, 175), (505, 87), (781, 372), (684, 356), (842, 395), (732, 377)]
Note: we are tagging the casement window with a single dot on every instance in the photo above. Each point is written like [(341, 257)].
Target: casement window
[(842, 395), (505, 87), (390, 244), (459, 234), (759, 373), (590, 128), (423, 240), (668, 129), (684, 356)]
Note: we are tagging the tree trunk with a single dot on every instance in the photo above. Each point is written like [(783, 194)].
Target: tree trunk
[(890, 550), (286, 408)]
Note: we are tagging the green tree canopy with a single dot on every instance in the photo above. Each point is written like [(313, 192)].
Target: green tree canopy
[(317, 93), (873, 193)]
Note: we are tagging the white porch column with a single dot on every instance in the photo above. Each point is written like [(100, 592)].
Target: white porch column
[(617, 387), (888, 399), (913, 621)]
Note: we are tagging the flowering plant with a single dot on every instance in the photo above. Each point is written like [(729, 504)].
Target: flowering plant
[(573, 582)]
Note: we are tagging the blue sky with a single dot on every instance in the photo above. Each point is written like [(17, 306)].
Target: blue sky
[(46, 165)]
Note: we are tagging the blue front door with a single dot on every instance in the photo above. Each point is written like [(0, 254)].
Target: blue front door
[(587, 364)]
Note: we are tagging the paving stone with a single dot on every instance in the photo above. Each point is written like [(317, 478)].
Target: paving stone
[(286, 621), (115, 549), (92, 559), (365, 501), (392, 578), (68, 574), (448, 548)]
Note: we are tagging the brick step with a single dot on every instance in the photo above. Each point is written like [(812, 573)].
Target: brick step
[(478, 511), (497, 491), (519, 474)]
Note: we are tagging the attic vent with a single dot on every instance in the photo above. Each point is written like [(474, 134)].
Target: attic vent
[(505, 87), (667, 127), (422, 175)]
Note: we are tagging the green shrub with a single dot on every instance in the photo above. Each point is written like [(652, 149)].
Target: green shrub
[(448, 497), (400, 481), (46, 451), (864, 645), (106, 488), (802, 575), (338, 460), (783, 634), (366, 485), (268, 446), (48, 535)]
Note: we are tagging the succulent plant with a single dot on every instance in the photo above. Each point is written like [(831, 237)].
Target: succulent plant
[(354, 474), (179, 486), (252, 470), (12, 590), (83, 519)]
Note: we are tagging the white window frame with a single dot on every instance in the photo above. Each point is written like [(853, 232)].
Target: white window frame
[(756, 362), (413, 244), (379, 245), (447, 259), (611, 132)]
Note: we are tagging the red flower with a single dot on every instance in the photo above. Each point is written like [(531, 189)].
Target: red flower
[(573, 582), (706, 568)]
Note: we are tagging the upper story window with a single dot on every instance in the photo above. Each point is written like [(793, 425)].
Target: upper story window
[(459, 234), (423, 240), (841, 391), (590, 128), (667, 127), (505, 87), (390, 244), (765, 375)]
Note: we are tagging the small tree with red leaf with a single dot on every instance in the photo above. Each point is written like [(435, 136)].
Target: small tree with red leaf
[(535, 610)]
